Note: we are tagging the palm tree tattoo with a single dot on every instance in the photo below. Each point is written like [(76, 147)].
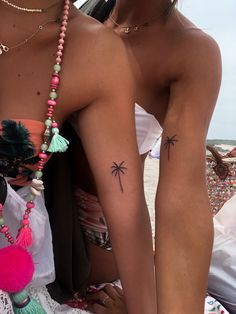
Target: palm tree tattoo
[(168, 142), (117, 171)]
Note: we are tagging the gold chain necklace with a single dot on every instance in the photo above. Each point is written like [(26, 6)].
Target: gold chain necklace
[(28, 10), (5, 48), (133, 28)]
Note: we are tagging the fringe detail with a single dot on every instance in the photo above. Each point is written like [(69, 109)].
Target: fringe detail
[(58, 144), (24, 238), (23, 304)]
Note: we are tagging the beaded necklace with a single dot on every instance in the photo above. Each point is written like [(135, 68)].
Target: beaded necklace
[(52, 142)]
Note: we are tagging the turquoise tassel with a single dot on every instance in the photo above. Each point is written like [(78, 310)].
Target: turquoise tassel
[(58, 142), (23, 304)]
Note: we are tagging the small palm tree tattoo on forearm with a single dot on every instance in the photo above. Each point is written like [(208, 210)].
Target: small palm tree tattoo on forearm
[(117, 171), (168, 142)]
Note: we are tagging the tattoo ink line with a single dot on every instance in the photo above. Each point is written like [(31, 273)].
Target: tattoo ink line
[(168, 142), (118, 170)]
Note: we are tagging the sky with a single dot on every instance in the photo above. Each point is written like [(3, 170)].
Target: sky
[(218, 19)]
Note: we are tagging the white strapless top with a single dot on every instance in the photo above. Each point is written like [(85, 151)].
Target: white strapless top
[(148, 130)]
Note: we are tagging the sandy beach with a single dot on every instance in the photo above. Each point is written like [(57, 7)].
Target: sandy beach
[(151, 173)]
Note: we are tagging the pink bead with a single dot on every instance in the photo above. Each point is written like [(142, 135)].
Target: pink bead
[(65, 17), (49, 114), (30, 205), (59, 53), (60, 47), (58, 60), (54, 125), (54, 82), (66, 12), (43, 156), (62, 35), (50, 111), (55, 79), (66, 6), (63, 28), (40, 167), (26, 216), (61, 41), (51, 102), (65, 24), (4, 229), (1, 207), (25, 222)]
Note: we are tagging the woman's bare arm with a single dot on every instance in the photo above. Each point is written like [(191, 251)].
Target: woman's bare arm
[(107, 130), (183, 220)]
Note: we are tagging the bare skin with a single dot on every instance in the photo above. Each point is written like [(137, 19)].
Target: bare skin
[(108, 300), (177, 72), (87, 67)]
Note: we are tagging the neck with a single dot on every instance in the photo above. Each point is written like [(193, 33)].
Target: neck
[(136, 11)]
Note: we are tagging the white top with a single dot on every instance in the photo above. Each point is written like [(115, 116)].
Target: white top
[(148, 130)]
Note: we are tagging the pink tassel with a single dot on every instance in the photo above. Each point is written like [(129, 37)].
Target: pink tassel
[(24, 238)]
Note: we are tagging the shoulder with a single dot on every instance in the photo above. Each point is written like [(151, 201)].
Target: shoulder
[(197, 51), (196, 77), (95, 59), (90, 36)]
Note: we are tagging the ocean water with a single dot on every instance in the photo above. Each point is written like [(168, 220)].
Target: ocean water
[(217, 18)]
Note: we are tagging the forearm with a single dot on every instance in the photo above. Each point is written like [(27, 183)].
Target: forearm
[(133, 250), (183, 251)]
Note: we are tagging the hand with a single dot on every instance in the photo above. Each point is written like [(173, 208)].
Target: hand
[(109, 300)]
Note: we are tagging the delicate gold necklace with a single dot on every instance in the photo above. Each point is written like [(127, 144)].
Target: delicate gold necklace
[(133, 28), (5, 48), (28, 10)]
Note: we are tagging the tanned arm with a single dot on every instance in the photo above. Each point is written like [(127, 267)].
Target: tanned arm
[(107, 130), (184, 230)]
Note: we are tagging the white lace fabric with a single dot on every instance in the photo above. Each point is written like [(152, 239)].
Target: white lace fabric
[(42, 296), (5, 303)]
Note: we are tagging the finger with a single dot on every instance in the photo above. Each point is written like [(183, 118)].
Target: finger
[(97, 296), (103, 299), (119, 291), (97, 309), (111, 291)]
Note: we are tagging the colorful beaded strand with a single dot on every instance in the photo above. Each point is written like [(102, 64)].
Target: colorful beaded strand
[(22, 303), (24, 237)]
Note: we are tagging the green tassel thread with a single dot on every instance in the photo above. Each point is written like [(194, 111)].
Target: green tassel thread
[(31, 306), (58, 142)]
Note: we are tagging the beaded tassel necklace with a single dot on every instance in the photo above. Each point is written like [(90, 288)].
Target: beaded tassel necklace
[(52, 142)]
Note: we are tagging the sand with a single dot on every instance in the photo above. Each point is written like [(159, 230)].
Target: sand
[(151, 174)]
